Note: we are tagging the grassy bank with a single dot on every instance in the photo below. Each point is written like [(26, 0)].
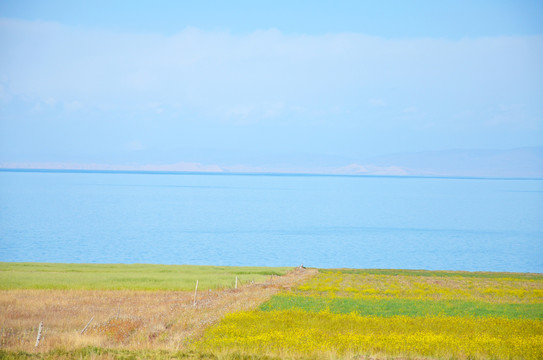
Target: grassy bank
[(128, 276)]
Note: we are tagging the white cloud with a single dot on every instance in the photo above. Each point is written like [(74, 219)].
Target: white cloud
[(328, 93), (72, 106), (134, 145), (251, 113), (218, 70), (4, 95), (377, 102)]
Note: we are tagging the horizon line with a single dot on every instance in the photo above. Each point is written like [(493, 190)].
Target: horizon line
[(235, 173)]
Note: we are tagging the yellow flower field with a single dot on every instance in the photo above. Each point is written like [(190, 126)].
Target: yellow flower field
[(301, 331), (499, 289)]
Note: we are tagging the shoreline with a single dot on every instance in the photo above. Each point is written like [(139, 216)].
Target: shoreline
[(271, 174), (152, 277), (375, 270)]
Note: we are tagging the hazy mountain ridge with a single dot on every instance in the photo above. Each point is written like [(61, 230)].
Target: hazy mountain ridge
[(518, 163)]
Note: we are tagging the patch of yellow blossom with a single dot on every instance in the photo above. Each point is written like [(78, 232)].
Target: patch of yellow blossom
[(502, 290), (325, 335)]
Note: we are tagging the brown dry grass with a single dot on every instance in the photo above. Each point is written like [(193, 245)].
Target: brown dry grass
[(125, 319)]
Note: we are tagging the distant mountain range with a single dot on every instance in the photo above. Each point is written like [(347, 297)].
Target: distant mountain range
[(521, 162), (515, 163)]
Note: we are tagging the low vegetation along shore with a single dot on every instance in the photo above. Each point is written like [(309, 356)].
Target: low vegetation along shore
[(150, 311)]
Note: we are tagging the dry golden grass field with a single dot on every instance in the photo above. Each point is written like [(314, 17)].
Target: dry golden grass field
[(126, 319)]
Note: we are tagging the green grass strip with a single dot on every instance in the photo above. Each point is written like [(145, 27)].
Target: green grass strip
[(407, 307), (92, 353), (127, 276), (467, 274)]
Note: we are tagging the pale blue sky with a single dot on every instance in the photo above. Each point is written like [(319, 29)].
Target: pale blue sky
[(273, 82)]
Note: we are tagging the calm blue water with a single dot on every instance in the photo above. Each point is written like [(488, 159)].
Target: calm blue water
[(357, 222)]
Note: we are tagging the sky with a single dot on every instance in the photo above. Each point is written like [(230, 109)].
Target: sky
[(266, 83)]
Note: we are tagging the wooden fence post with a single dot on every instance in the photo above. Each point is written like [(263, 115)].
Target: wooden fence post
[(195, 291), (39, 334), (236, 282), (86, 326)]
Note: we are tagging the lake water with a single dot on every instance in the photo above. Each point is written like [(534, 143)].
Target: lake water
[(283, 220)]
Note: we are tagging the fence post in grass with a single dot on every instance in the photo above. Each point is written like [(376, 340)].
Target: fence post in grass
[(86, 326), (39, 334), (236, 282), (195, 291)]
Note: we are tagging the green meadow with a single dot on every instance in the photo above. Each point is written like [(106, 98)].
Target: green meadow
[(127, 276), (417, 293), (403, 307)]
